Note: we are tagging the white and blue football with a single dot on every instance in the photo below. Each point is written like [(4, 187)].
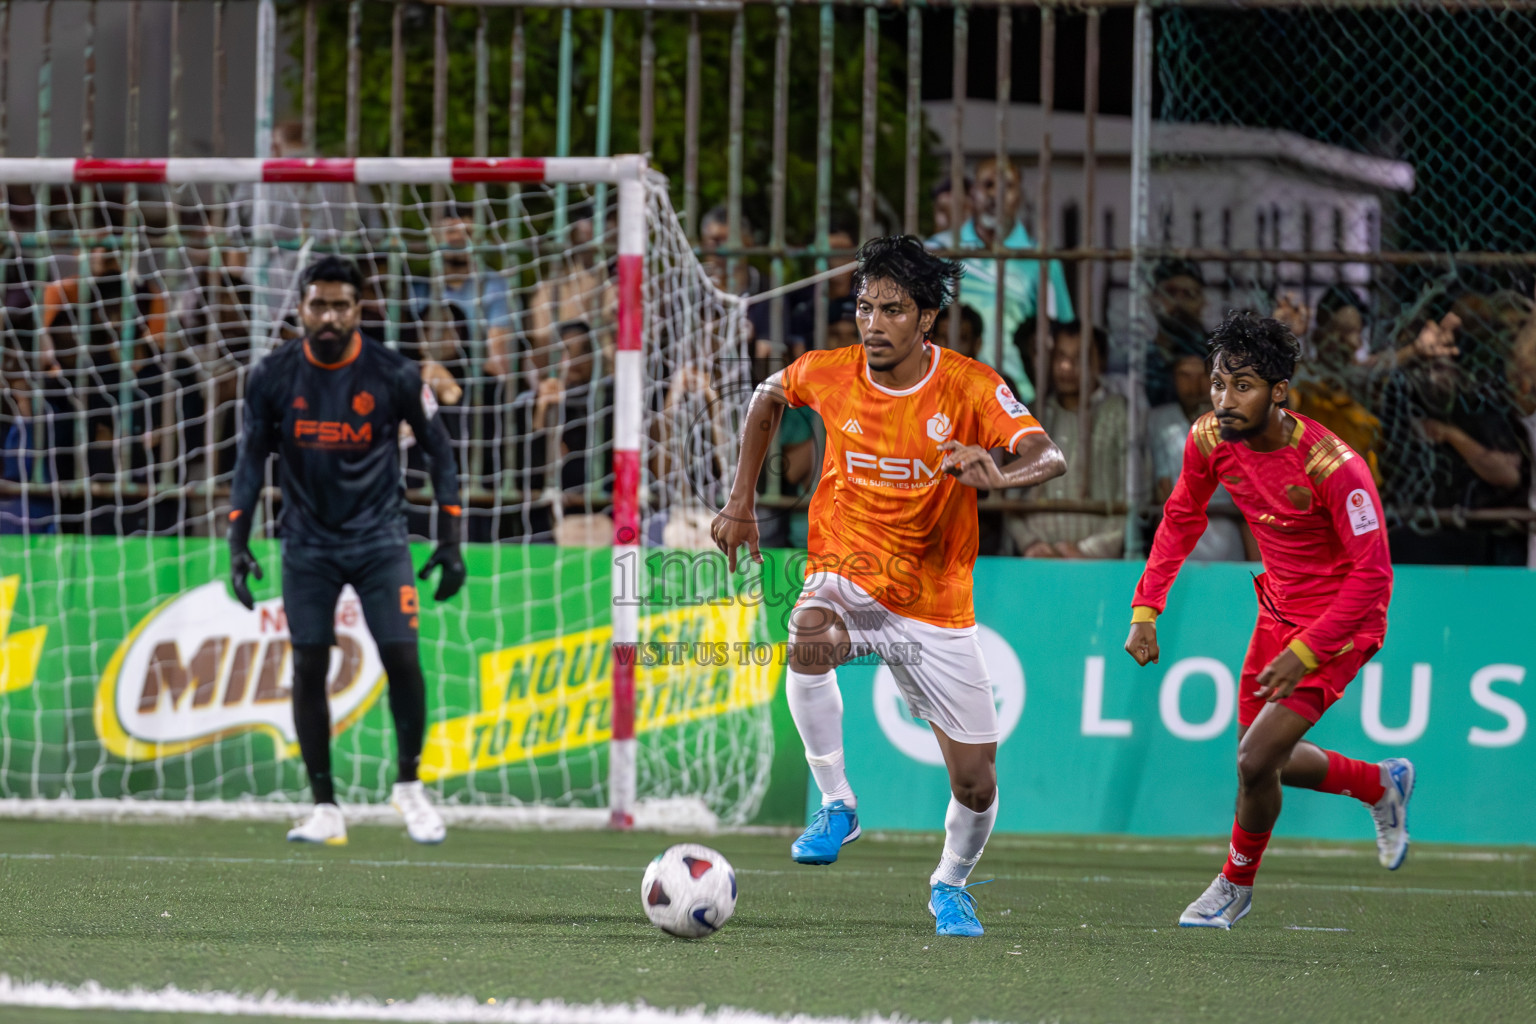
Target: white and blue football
[(689, 891)]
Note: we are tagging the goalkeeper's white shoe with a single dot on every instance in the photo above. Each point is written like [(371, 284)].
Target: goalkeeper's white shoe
[(422, 822), (1390, 813), (1220, 906), (324, 825)]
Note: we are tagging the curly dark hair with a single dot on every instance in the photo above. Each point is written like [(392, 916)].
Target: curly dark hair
[(1245, 340), (932, 282), (332, 268)]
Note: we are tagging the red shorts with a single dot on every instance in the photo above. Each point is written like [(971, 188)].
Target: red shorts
[(1317, 690)]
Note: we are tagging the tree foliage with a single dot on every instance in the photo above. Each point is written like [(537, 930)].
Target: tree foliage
[(542, 34)]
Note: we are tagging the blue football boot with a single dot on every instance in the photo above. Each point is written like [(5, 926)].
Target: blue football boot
[(834, 826), (954, 910)]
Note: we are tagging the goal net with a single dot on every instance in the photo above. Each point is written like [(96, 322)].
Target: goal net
[(592, 379)]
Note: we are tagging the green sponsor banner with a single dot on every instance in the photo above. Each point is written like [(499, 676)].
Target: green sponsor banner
[(1093, 743), (127, 668)]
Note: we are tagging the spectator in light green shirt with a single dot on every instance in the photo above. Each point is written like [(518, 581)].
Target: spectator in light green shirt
[(996, 209)]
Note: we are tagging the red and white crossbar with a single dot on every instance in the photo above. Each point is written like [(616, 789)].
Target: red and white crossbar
[(467, 170), (628, 173)]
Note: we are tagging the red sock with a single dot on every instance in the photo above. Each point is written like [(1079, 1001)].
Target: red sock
[(1244, 854), (1348, 777)]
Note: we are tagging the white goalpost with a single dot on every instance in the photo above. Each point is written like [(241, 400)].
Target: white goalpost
[(592, 378)]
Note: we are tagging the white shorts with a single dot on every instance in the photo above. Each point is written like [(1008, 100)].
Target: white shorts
[(939, 669)]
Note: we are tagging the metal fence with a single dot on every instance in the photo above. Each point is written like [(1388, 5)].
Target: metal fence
[(1172, 159)]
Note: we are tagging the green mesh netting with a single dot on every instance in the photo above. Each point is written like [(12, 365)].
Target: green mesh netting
[(1376, 130)]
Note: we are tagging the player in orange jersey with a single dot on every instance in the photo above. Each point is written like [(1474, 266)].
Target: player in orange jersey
[(893, 534), (1323, 597)]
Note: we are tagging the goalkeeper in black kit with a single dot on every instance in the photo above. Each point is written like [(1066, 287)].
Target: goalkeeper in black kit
[(331, 406)]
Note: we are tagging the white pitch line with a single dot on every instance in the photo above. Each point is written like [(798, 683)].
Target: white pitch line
[(1325, 852), (433, 1009), (1018, 841), (442, 865)]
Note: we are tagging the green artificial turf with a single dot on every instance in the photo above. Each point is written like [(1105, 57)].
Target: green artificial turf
[(1077, 929)]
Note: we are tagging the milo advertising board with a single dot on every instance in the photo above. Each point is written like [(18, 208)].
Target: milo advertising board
[(129, 669)]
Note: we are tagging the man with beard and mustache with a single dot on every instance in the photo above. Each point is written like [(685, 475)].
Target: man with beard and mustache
[(893, 536), (331, 406), (1323, 597)]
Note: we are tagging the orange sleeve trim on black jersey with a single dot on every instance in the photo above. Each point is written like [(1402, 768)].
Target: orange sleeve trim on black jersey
[(234, 514), (453, 510)]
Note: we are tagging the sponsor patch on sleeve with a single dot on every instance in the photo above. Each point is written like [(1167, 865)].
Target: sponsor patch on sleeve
[(1362, 512), (428, 400), (1012, 406)]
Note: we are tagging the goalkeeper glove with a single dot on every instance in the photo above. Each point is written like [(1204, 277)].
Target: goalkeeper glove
[(241, 562), (448, 556)]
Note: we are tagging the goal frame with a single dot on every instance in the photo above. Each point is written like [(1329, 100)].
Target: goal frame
[(628, 174)]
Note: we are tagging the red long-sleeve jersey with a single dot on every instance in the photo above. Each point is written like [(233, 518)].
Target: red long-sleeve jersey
[(1314, 510)]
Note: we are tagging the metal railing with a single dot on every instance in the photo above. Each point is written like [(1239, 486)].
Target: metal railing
[(710, 43)]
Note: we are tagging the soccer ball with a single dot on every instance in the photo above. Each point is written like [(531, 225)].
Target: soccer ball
[(689, 891)]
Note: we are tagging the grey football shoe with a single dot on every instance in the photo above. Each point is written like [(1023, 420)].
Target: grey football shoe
[(1220, 906), (1391, 812)]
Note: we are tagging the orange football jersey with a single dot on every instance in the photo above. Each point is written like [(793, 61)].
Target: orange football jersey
[(884, 516)]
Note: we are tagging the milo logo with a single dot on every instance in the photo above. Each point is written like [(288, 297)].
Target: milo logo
[(201, 667)]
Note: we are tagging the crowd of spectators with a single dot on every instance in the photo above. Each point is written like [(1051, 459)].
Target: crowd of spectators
[(123, 410), (1437, 401), (121, 390)]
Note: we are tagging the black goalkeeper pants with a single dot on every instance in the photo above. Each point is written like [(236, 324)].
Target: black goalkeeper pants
[(384, 579), (382, 575)]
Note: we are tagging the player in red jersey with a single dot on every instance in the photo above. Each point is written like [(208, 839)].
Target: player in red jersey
[(1323, 596), (910, 433)]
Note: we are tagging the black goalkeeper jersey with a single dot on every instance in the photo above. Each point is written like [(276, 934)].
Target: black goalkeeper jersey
[(336, 430)]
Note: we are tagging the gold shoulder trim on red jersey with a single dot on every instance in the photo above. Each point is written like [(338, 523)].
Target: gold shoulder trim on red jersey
[(1296, 434), (1325, 457), (1207, 433)]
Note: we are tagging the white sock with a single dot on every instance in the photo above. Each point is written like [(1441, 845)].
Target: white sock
[(816, 704), (965, 836)]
